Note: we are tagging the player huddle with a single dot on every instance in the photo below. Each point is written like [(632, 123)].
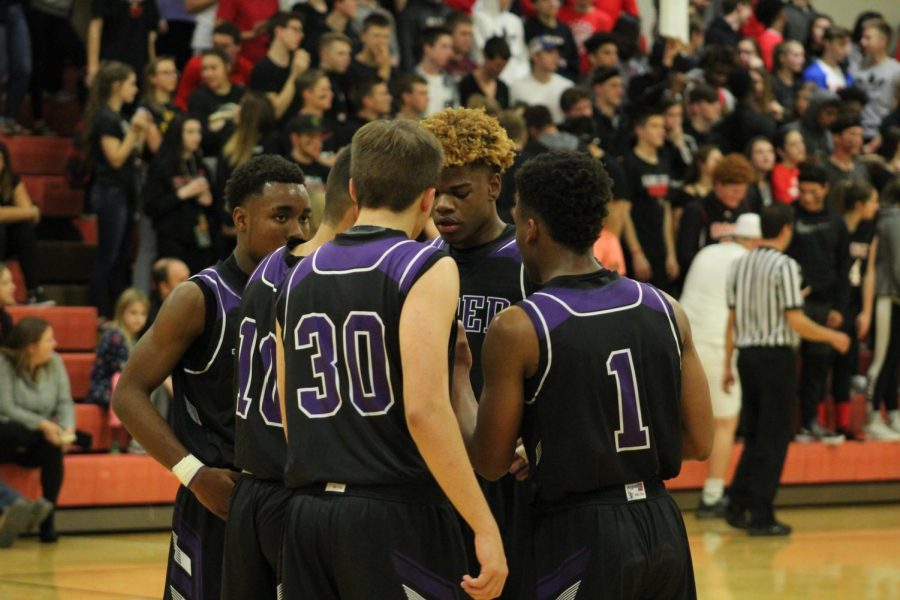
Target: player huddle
[(331, 416)]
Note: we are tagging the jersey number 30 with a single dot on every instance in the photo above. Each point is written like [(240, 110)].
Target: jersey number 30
[(632, 434), (364, 357)]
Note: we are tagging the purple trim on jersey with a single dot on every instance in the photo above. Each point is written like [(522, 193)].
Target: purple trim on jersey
[(344, 257), (409, 270), (656, 301), (272, 269), (227, 299), (421, 580), (508, 250), (573, 567), (618, 294)]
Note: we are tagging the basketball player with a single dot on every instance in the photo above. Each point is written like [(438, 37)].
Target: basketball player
[(259, 502), (599, 375), (374, 451), (193, 338), (476, 153)]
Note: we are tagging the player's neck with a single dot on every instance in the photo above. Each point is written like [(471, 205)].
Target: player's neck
[(324, 234), (246, 263), (565, 263), (382, 217), (489, 232)]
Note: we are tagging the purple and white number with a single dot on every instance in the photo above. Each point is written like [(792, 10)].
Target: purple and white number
[(246, 346), (268, 404), (632, 434), (269, 407), (315, 331), (365, 355)]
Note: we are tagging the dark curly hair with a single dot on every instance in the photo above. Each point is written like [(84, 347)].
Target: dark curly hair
[(249, 178), (568, 191)]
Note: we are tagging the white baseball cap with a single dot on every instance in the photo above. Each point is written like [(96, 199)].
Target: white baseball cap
[(748, 226)]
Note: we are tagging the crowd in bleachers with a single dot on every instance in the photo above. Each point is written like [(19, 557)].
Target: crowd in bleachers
[(695, 132)]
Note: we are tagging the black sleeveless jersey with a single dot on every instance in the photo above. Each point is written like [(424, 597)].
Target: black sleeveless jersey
[(203, 410), (603, 408), (491, 278), (259, 435), (340, 316)]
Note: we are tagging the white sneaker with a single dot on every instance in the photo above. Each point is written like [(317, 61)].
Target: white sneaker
[(878, 430)]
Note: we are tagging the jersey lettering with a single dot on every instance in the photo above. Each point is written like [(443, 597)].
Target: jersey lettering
[(477, 312)]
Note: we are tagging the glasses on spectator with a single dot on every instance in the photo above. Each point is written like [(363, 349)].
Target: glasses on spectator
[(168, 72)]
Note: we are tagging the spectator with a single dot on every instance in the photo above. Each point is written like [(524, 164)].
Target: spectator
[(815, 41), (160, 83), (712, 219), (765, 320), (844, 163), (114, 148), (313, 13), (706, 306), (167, 273), (769, 14), (276, 73), (7, 298), (18, 515), (680, 146), (250, 17), (17, 65), (820, 246), (315, 91), (704, 111), (860, 202), (725, 30), (789, 58), (307, 134), (461, 28), (226, 38), (827, 71), (585, 19), (176, 29), (791, 152), (517, 131), (411, 94), (116, 342), (204, 12), (543, 86), (121, 31), (798, 15), (485, 79), (18, 217), (334, 59), (437, 48), (761, 154), (373, 101), (38, 416), (698, 183), (651, 256), (494, 20), (414, 20), (748, 53), (815, 124), (882, 376), (215, 101), (748, 119), (374, 58), (853, 100), (179, 198), (878, 76), (602, 52), (544, 22), (543, 135), (339, 20), (575, 103)]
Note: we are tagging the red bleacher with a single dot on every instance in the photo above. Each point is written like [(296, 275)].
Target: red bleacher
[(36, 155), (53, 195), (75, 327)]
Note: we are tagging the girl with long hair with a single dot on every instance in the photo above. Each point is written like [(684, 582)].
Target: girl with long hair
[(114, 146), (37, 415), (179, 199), (18, 217), (160, 83), (789, 60), (698, 183)]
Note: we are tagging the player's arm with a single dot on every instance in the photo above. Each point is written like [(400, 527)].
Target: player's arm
[(728, 374), (428, 313), (864, 320), (179, 323), (510, 355), (279, 375), (696, 407)]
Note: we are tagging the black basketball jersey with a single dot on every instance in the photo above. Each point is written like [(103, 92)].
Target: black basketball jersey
[(203, 411), (259, 435), (340, 316), (491, 278), (603, 408)]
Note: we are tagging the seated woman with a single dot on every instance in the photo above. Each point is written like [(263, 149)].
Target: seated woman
[(37, 416), (18, 216)]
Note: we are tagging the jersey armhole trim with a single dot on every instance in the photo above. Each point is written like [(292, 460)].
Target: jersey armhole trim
[(543, 324)]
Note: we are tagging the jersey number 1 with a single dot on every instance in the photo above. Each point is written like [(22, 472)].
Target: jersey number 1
[(632, 434), (365, 358)]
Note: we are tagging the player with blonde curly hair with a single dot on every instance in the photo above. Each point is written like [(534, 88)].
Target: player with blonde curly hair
[(476, 153)]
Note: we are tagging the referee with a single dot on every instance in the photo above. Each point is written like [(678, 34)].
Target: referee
[(766, 322)]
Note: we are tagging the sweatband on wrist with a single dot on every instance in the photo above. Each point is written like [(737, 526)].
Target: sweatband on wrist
[(187, 468)]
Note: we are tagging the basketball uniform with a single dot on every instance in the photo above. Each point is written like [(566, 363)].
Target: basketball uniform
[(203, 421), (492, 278), (367, 519), (602, 429), (259, 501)]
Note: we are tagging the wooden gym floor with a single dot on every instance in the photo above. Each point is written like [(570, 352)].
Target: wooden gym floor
[(842, 552)]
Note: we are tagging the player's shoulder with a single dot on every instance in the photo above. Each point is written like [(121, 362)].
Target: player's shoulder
[(271, 270)]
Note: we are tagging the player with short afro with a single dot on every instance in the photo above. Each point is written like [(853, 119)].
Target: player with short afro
[(476, 152)]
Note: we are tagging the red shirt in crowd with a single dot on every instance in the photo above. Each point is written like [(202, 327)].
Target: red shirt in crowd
[(785, 187), (583, 26), (767, 41), (191, 78), (247, 15)]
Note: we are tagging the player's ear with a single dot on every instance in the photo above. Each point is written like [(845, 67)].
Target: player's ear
[(352, 185), (427, 202), (241, 218), (531, 230), (495, 184)]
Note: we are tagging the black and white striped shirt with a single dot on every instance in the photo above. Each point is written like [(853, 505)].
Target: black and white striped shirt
[(761, 286)]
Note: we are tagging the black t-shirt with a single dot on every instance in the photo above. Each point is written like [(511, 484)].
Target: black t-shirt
[(860, 241), (203, 103), (340, 105), (469, 86), (269, 77), (647, 187), (315, 173), (704, 222), (108, 123), (126, 25)]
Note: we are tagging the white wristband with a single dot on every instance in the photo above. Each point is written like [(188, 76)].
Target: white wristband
[(187, 468)]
